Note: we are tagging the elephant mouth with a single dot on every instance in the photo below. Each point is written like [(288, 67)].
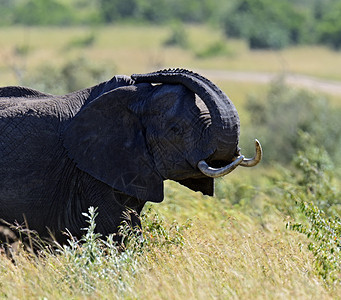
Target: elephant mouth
[(219, 168)]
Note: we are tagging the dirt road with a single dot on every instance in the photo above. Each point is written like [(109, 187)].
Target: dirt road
[(312, 83)]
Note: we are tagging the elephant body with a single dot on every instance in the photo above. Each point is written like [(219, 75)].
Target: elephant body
[(110, 146), (40, 184)]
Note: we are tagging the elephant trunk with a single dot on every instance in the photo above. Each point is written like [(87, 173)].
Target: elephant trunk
[(223, 113), (224, 116)]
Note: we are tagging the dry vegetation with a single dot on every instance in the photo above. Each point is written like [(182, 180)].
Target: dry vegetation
[(226, 260)]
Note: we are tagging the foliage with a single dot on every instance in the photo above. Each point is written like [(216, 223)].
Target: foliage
[(157, 233), (6, 7), (284, 113), (329, 29), (85, 41), (217, 48), (318, 200), (265, 23), (114, 10), (178, 37), (324, 233), (316, 178), (42, 12), (73, 75), (159, 11), (93, 258)]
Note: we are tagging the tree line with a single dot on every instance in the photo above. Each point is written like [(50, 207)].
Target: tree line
[(262, 23)]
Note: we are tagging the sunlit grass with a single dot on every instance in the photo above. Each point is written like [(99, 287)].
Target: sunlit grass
[(224, 254)]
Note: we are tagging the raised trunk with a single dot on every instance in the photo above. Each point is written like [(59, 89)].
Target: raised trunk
[(224, 132)]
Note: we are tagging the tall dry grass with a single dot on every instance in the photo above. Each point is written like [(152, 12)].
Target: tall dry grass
[(229, 260)]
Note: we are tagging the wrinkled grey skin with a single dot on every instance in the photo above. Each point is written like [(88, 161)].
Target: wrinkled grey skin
[(110, 146)]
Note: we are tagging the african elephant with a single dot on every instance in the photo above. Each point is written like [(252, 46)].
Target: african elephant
[(111, 146)]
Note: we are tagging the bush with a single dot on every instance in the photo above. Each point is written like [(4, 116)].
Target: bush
[(218, 48), (325, 243), (85, 41), (278, 119), (178, 37), (114, 10), (313, 176), (42, 12), (265, 23), (270, 36), (96, 258), (329, 29), (73, 75), (91, 258), (311, 188)]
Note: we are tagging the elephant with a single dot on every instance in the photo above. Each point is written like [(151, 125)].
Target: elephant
[(112, 146)]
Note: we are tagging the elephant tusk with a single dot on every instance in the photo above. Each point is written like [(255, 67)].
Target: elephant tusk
[(238, 161), (218, 172), (251, 162)]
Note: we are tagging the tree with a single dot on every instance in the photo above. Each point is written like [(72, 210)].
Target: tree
[(42, 12), (330, 26), (114, 10), (265, 23), (6, 11)]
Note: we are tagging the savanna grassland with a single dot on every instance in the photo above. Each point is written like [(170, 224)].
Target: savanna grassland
[(270, 232)]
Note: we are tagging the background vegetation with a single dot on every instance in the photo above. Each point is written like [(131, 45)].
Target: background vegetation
[(263, 23), (270, 232)]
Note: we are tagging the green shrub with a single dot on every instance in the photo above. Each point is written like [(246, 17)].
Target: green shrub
[(311, 188), (313, 176), (157, 234), (85, 41), (42, 12), (73, 75), (325, 239), (329, 28), (178, 37), (94, 258), (265, 23), (268, 36), (114, 10), (217, 48), (91, 258), (278, 118), (316, 174)]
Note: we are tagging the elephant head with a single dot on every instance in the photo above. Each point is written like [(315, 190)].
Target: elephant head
[(171, 124)]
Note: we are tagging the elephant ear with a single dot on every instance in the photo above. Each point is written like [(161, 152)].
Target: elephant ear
[(106, 140)]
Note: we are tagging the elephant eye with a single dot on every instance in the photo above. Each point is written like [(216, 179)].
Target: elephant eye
[(176, 129)]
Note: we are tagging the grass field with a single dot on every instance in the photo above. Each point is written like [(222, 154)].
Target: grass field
[(140, 49), (231, 246), (197, 248)]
